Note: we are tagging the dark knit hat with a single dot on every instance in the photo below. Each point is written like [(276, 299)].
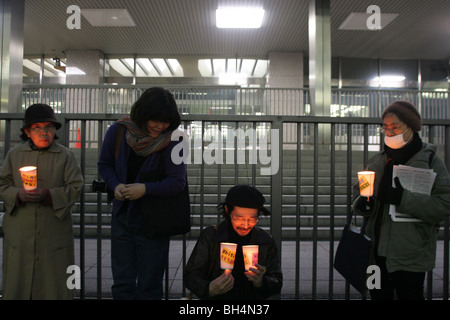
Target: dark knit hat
[(247, 197), (39, 113), (406, 112)]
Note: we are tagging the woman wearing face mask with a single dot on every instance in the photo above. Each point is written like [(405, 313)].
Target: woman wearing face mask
[(404, 251)]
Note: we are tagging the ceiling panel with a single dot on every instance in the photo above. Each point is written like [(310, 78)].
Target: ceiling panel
[(187, 27)]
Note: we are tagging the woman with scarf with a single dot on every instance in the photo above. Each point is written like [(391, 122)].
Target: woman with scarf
[(404, 251), (135, 146)]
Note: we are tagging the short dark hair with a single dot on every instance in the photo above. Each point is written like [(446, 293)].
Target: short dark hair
[(156, 104)]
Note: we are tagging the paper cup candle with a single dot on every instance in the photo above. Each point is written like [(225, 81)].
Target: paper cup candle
[(227, 255), (29, 177), (250, 256), (366, 180)]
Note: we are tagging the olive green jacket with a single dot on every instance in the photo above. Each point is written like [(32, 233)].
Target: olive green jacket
[(38, 239), (410, 246)]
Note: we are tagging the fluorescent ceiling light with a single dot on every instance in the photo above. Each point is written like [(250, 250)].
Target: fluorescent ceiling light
[(393, 81), (250, 67), (108, 17), (390, 78), (233, 79), (231, 17), (358, 21)]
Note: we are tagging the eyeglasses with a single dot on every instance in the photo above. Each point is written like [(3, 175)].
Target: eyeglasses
[(242, 220), (42, 129), (395, 130)]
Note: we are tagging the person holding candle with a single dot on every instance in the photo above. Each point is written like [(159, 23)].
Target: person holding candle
[(37, 225), (144, 147), (203, 274), (404, 251)]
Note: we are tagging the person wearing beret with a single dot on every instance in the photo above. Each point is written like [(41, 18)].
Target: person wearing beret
[(203, 275), (404, 251), (38, 239)]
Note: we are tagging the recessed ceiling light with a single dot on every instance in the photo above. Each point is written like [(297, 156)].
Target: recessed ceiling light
[(108, 17), (358, 21), (239, 17)]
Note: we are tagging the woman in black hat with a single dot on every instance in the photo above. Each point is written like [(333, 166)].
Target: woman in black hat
[(38, 228), (203, 274)]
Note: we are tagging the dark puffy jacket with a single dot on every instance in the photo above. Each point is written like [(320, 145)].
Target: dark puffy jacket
[(204, 265)]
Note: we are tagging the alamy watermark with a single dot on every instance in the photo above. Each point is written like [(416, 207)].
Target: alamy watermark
[(374, 21), (239, 146), (74, 280)]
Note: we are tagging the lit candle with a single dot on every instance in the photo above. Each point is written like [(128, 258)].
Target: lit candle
[(227, 255), (366, 180), (250, 253), (29, 177)]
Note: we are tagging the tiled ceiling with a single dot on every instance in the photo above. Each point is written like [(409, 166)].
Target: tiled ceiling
[(171, 28)]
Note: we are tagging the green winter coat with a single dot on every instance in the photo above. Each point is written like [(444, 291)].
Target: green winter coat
[(38, 240), (410, 246)]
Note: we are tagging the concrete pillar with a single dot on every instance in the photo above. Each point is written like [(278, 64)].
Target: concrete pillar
[(84, 68), (320, 62), (286, 75), (11, 65)]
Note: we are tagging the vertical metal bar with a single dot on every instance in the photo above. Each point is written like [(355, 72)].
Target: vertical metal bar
[(447, 221), (99, 218), (254, 150), (315, 210), (349, 187), (236, 144), (276, 184), (366, 145), (332, 209), (183, 287), (219, 172), (82, 210), (202, 178), (298, 206)]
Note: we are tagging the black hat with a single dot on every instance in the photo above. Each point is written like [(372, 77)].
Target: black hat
[(247, 197), (406, 112), (40, 113)]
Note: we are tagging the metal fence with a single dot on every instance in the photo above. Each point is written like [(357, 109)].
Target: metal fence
[(231, 100), (301, 210)]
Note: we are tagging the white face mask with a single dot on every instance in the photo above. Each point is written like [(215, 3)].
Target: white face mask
[(397, 141)]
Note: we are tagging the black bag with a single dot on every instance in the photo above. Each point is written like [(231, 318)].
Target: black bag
[(164, 216), (353, 254)]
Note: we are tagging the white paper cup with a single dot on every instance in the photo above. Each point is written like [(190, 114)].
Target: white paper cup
[(227, 255), (29, 177), (366, 180), (250, 253)]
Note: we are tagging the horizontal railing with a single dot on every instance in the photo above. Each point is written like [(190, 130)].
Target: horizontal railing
[(282, 140), (225, 100)]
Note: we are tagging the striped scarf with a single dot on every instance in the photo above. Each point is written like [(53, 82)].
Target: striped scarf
[(140, 141)]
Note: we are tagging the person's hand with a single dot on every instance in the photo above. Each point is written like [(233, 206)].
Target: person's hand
[(256, 275), (221, 284), (133, 191), (36, 195), (118, 192), (394, 195), (365, 204)]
